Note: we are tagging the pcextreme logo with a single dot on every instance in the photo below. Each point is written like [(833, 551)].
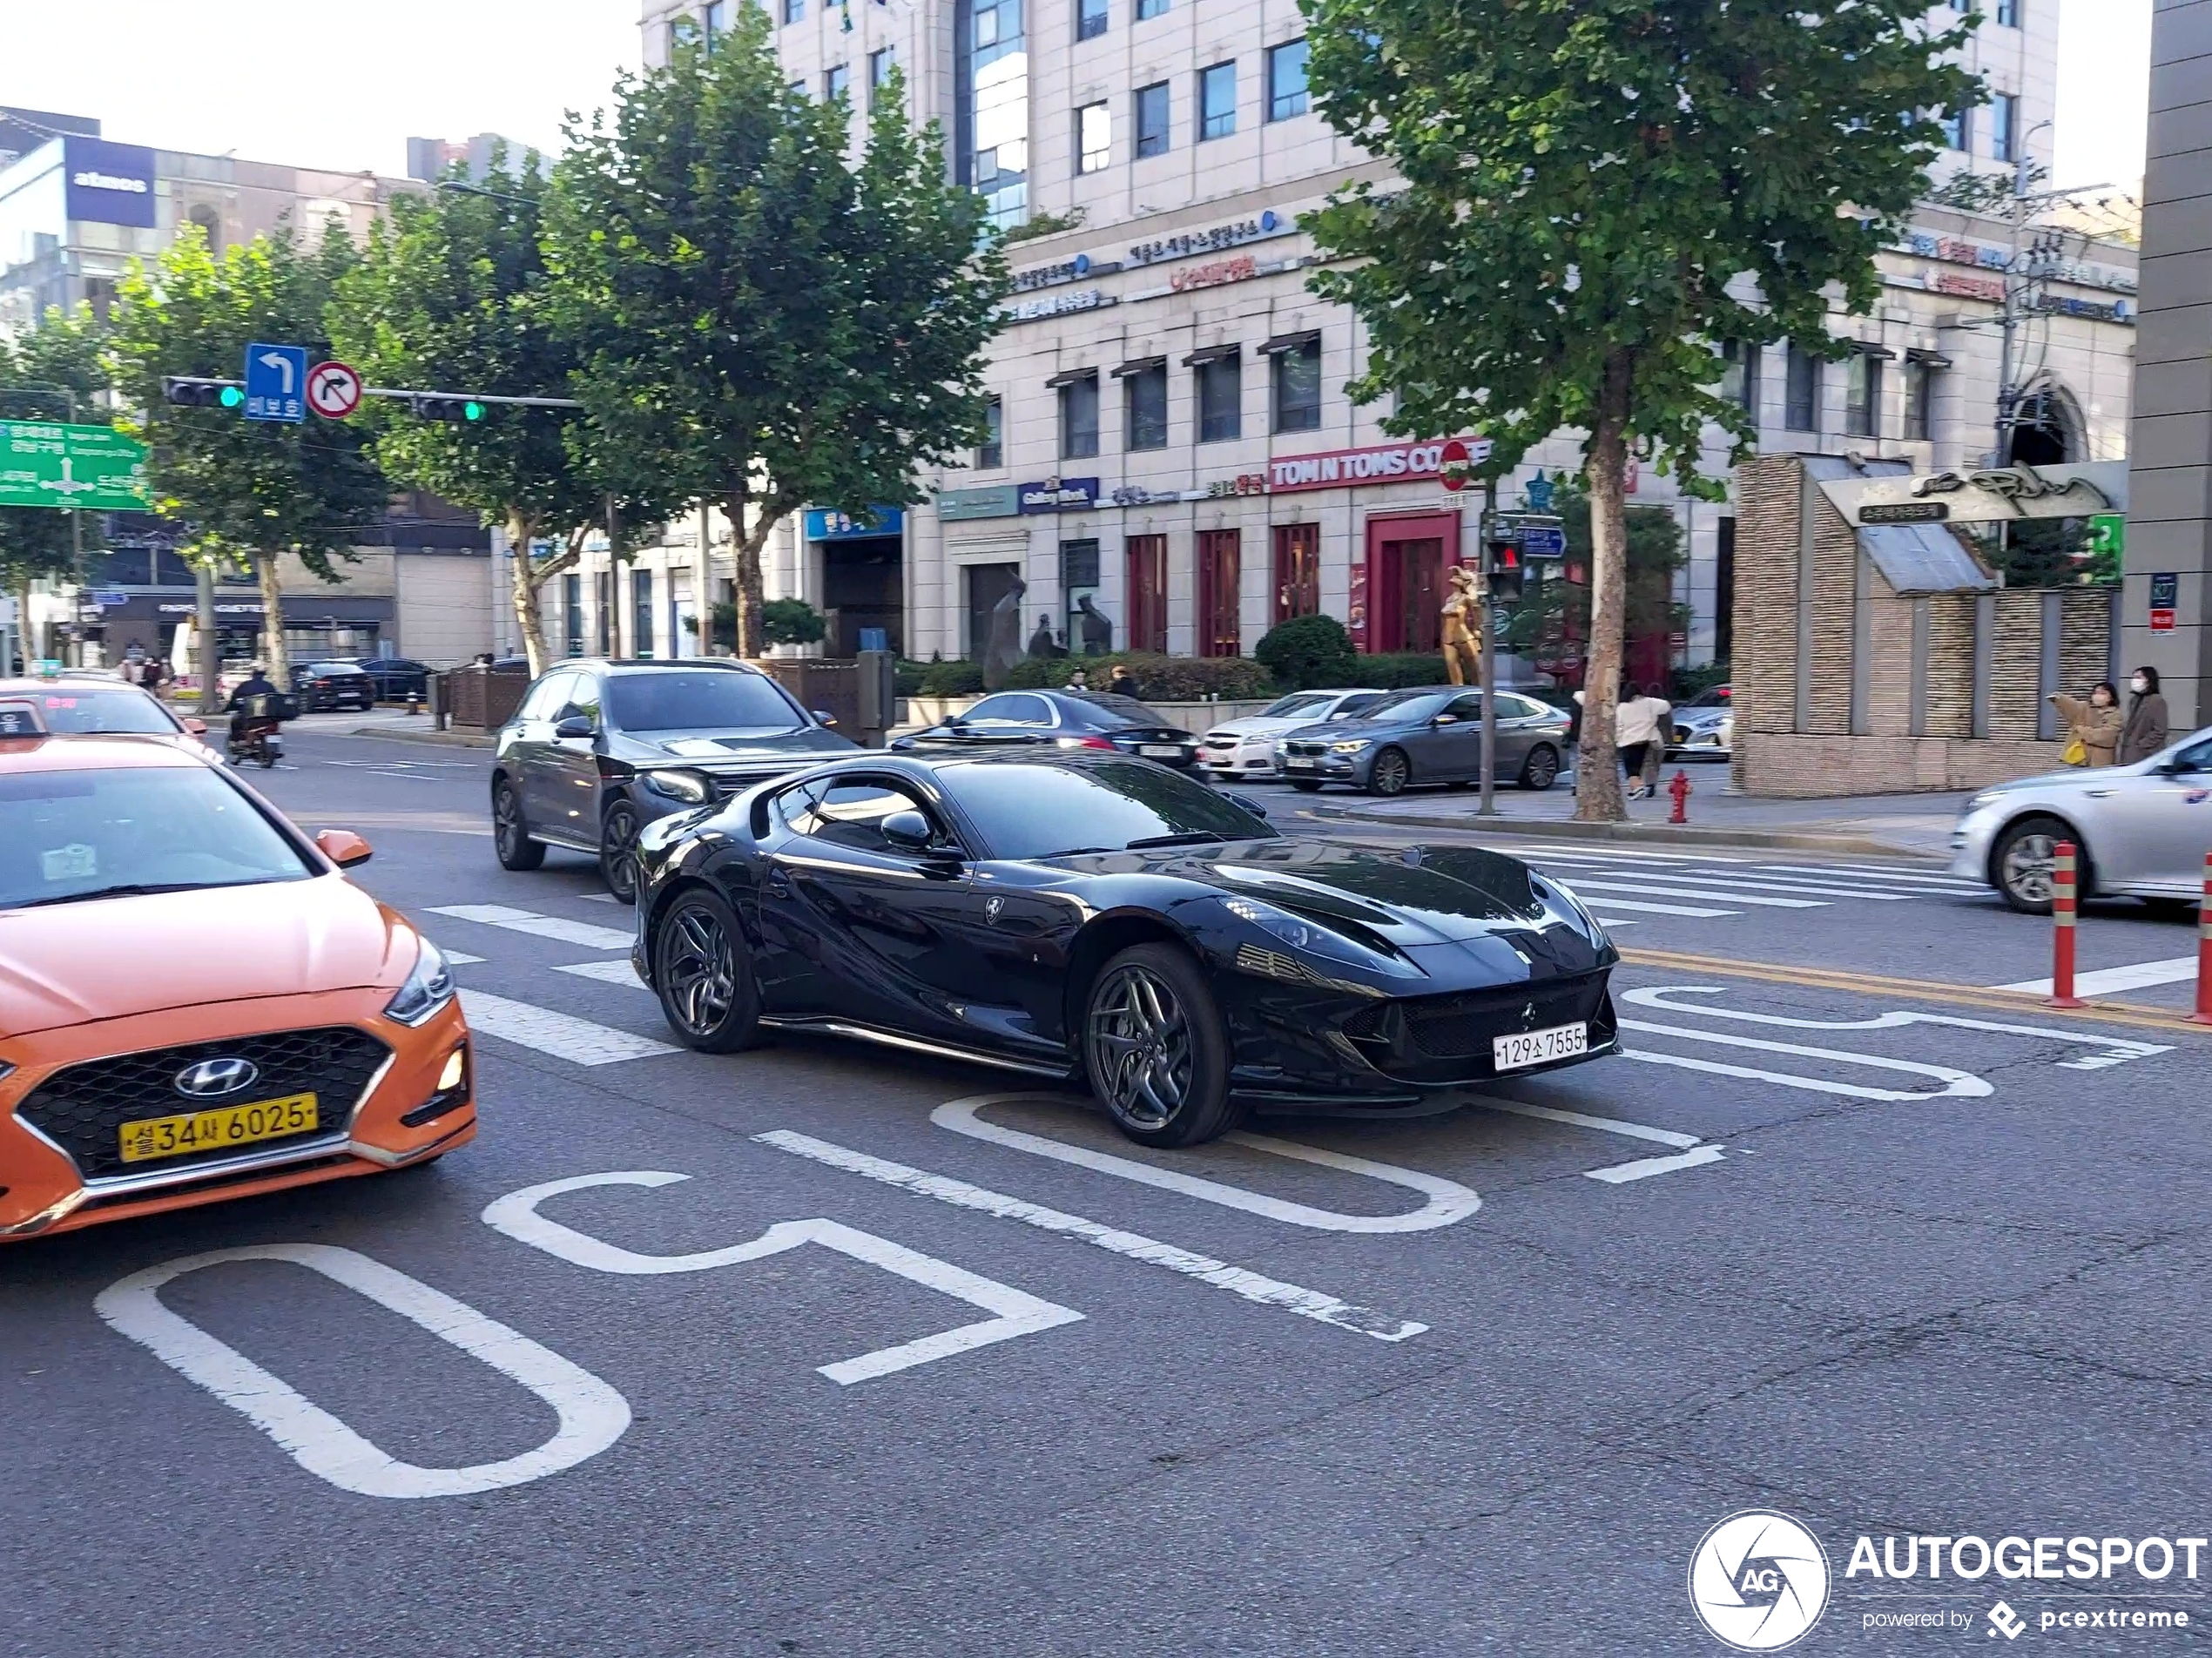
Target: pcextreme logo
[(1758, 1581)]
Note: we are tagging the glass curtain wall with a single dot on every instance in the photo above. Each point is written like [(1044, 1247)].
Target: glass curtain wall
[(991, 99)]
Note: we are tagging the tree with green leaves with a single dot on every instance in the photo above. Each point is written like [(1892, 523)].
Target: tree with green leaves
[(252, 489), (764, 322), (1592, 196), (53, 373), (1554, 613), (451, 295)]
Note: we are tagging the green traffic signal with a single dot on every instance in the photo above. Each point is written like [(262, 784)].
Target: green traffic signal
[(472, 410), (233, 396)]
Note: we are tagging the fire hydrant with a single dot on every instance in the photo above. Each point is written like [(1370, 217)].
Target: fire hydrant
[(1679, 790)]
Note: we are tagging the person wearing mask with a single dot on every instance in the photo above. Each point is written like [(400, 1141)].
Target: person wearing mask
[(2145, 732), (2093, 726), (1632, 731)]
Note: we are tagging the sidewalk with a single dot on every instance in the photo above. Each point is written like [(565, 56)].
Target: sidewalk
[(1879, 824)]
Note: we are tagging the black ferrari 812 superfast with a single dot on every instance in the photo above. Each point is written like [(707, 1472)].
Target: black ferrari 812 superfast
[(1100, 918)]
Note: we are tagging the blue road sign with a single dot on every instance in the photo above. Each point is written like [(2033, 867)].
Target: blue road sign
[(276, 382), (1543, 544)]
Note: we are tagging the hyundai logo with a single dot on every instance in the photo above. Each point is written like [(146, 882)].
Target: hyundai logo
[(211, 1079)]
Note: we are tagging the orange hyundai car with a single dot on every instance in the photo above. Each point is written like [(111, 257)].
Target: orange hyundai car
[(195, 1003)]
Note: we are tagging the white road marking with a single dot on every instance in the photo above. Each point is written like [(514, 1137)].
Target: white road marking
[(1727, 885), (1934, 880), (618, 972), (1644, 1168), (1582, 1120), (1448, 1201), (2112, 1050), (1682, 889), (2174, 970), (1015, 1312), (1955, 1082), (592, 1415), (1643, 908), (542, 926), (598, 897), (458, 958), (562, 1035), (1271, 1292)]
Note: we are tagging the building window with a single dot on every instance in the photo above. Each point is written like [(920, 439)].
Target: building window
[(1079, 417), (992, 451), (1220, 567), (1286, 79), (1802, 394), (1740, 376), (837, 81), (641, 613), (1221, 391), (1146, 397), (1863, 394), (1094, 137), (1297, 571), (880, 66), (1147, 594), (798, 88), (2009, 13), (991, 106), (2005, 127), (572, 606), (1959, 130), (715, 17), (1152, 119), (1090, 19), (1217, 101), (1296, 376), (794, 10), (1079, 591), (1920, 395), (1150, 9)]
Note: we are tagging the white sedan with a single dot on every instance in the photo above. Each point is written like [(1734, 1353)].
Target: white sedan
[(1245, 747)]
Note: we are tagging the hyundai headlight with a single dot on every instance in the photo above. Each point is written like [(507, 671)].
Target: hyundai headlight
[(688, 786), (1358, 745), (428, 987)]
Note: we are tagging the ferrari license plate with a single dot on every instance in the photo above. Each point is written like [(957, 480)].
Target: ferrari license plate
[(230, 1125), (1158, 750), (1539, 1047)]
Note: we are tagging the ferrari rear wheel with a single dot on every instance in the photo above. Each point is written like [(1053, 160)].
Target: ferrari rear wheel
[(704, 974), (1156, 1050)]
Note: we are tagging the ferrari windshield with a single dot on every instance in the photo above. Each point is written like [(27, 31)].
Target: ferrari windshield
[(1038, 811), (69, 835)]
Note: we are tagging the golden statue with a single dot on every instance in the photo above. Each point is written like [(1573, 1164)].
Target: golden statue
[(1463, 622)]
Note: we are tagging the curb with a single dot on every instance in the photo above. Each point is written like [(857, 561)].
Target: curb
[(1644, 834), (423, 734)]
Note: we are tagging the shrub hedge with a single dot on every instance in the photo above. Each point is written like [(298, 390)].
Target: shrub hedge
[(1166, 679), (1308, 651)]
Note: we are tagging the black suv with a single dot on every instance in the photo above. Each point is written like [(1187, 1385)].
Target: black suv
[(598, 749)]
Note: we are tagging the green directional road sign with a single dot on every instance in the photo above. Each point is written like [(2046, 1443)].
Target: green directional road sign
[(45, 464)]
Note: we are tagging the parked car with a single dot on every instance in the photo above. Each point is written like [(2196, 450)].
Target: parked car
[(1245, 747), (1705, 726), (1067, 719), (396, 678), (599, 749), (2140, 830), (322, 685), (1089, 919), (1433, 735)]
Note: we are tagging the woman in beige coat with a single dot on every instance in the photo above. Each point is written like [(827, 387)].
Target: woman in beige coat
[(2096, 723)]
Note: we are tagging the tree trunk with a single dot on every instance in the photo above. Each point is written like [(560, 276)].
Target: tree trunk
[(279, 665), (526, 584), (746, 543), (1597, 781)]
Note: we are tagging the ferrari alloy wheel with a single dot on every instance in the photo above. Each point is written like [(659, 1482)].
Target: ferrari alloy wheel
[(2025, 864), (618, 851), (1391, 772), (1540, 769), (510, 837), (1154, 1049), (704, 975)]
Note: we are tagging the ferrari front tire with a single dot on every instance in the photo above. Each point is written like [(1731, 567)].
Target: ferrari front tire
[(703, 970), (1155, 1050)]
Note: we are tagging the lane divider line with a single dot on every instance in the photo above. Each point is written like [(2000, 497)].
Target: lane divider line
[(1621, 1173), (1448, 1201), (1583, 1120), (617, 972), (1014, 1312), (592, 1415), (1266, 1292), (562, 1035), (541, 926), (1734, 895), (1956, 1082)]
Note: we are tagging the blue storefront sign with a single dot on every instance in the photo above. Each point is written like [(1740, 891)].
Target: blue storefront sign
[(1059, 494), (109, 184), (825, 524)]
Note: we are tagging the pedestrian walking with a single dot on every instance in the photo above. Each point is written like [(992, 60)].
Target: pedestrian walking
[(2145, 733), (1122, 682), (1632, 729), (2093, 726), (1663, 731)]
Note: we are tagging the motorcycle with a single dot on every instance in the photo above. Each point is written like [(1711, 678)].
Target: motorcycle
[(257, 734)]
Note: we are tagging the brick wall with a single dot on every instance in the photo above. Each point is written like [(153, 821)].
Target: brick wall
[(1951, 665), (1780, 766), (1766, 594)]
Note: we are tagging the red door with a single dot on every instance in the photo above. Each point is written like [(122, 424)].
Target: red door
[(1297, 571), (1147, 594), (1220, 571), (1406, 559)]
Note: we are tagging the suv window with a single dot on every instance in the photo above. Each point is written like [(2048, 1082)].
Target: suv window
[(583, 698), (1012, 708), (850, 812), (546, 697)]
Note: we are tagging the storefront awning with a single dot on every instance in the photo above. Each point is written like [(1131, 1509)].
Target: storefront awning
[(1213, 354)]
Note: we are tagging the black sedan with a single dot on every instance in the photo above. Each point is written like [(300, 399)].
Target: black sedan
[(1067, 719), (332, 684), (396, 678), (1091, 916), (598, 749)]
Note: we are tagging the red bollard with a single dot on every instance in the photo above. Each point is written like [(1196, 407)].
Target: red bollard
[(1680, 789), (2062, 927), (2203, 1014)]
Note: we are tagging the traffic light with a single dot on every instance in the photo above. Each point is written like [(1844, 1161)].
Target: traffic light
[(189, 392), (1505, 569), (448, 409)]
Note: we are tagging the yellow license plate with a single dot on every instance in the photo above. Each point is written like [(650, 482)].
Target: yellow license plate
[(225, 1126)]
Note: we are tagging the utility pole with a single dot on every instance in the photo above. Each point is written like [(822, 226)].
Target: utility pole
[(1489, 806), (209, 647)]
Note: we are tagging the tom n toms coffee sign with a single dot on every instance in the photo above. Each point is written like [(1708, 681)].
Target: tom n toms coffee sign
[(1384, 463)]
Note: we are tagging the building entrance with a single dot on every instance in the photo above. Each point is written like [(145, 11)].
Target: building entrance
[(1406, 559)]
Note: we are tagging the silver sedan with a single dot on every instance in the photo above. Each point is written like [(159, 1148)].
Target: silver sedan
[(2141, 831)]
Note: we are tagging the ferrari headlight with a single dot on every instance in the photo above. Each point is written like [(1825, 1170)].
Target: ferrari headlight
[(1358, 746), (428, 987), (1314, 939), (688, 786)]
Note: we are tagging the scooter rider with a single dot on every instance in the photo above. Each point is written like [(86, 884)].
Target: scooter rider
[(246, 713)]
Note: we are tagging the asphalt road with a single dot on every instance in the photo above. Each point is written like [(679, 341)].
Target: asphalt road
[(1889, 1263)]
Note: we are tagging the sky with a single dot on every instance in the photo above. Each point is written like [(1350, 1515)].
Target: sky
[(343, 83), (335, 84)]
